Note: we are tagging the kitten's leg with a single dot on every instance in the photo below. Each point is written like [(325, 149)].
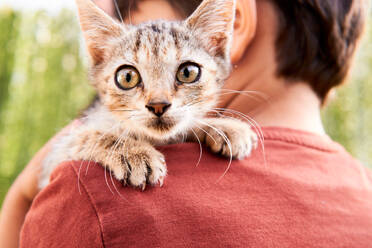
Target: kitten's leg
[(131, 161), (223, 134)]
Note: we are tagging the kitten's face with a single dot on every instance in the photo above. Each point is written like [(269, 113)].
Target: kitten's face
[(159, 78)]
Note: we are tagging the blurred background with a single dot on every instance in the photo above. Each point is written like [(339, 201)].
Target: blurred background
[(43, 85)]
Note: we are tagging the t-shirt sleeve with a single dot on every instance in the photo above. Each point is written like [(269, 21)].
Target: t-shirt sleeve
[(62, 215)]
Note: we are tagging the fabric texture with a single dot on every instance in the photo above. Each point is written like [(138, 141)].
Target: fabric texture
[(307, 192)]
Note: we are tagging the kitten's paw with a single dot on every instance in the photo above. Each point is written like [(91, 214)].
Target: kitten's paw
[(231, 138), (141, 166)]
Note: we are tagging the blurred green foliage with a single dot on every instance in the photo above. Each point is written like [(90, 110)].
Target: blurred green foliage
[(46, 89), (8, 24), (43, 86)]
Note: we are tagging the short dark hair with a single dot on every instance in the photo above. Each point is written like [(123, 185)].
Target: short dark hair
[(316, 38)]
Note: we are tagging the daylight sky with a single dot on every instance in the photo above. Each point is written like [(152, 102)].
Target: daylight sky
[(50, 5)]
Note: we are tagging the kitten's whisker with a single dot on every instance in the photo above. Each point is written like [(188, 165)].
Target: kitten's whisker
[(111, 157), (96, 144), (255, 125), (200, 147), (114, 149), (90, 158), (113, 184), (250, 120), (118, 11), (126, 150), (193, 103), (107, 181), (93, 150), (206, 133), (124, 110), (129, 12), (228, 143), (253, 92), (247, 118), (247, 95)]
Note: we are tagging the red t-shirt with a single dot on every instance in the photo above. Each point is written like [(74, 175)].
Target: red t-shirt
[(310, 193)]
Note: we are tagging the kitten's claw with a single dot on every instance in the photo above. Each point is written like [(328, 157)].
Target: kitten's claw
[(161, 181), (143, 187), (123, 182)]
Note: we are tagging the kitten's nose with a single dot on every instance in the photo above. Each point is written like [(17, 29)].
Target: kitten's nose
[(158, 108)]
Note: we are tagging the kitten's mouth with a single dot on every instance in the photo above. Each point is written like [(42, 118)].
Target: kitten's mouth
[(162, 124)]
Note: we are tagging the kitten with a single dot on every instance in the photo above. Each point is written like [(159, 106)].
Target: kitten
[(156, 84)]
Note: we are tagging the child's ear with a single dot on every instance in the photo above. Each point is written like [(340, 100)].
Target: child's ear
[(213, 22), (98, 28), (244, 28)]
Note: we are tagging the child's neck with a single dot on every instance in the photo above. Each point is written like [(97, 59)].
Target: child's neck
[(295, 106)]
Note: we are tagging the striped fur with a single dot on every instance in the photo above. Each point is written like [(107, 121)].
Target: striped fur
[(119, 131)]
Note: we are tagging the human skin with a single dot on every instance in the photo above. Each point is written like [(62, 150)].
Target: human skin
[(253, 56)]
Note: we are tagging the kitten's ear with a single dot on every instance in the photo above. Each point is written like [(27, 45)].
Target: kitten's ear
[(213, 22), (97, 27)]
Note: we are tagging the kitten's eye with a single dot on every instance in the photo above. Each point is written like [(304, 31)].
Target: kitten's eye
[(188, 73), (127, 77)]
